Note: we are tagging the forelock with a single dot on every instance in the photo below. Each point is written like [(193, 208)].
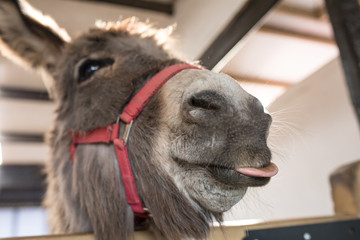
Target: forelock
[(133, 26)]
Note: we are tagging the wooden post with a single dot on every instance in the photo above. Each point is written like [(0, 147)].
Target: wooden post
[(345, 188), (345, 19)]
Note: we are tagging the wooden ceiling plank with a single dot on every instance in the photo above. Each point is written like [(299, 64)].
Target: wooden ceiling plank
[(21, 137), (6, 92), (159, 6), (269, 82), (317, 13), (294, 34)]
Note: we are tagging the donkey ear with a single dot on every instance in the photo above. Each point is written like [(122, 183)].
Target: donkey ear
[(29, 38)]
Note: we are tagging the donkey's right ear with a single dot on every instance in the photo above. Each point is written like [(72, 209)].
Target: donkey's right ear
[(28, 37)]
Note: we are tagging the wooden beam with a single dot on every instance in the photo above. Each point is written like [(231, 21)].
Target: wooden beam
[(344, 227), (21, 185), (345, 19), (159, 6), (262, 81), (21, 137), (294, 34), (6, 92), (241, 24), (318, 12)]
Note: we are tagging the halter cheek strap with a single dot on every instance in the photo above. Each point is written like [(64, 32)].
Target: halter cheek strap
[(110, 134)]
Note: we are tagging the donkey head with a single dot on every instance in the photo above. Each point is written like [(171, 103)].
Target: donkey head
[(196, 147)]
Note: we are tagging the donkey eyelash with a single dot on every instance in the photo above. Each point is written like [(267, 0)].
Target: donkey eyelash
[(88, 67)]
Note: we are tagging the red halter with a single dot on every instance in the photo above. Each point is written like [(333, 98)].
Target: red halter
[(110, 133)]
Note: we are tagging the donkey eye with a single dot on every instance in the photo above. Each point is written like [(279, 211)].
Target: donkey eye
[(90, 66)]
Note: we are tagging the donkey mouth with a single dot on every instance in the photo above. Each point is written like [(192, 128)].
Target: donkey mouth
[(237, 177), (248, 177)]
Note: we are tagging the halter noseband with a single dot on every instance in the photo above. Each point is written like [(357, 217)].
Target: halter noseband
[(110, 134)]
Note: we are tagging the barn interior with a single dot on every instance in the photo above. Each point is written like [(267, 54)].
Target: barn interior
[(282, 52)]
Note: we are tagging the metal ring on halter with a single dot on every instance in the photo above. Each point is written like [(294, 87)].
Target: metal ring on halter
[(127, 132)]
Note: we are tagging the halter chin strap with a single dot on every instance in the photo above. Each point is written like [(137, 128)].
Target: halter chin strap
[(110, 134)]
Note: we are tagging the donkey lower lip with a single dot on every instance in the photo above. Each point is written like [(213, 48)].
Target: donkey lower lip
[(225, 175), (232, 177)]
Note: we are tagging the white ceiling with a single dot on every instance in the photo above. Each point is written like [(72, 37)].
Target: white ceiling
[(293, 42), (271, 56)]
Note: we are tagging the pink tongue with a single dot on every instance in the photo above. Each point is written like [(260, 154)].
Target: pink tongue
[(268, 171)]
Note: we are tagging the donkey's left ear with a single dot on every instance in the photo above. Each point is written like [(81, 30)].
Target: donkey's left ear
[(28, 37)]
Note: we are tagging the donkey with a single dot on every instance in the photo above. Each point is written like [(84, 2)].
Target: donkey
[(189, 153)]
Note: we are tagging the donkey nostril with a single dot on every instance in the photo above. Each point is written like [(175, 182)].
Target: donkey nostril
[(203, 103), (207, 100)]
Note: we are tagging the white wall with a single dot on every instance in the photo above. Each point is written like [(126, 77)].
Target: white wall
[(314, 131)]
